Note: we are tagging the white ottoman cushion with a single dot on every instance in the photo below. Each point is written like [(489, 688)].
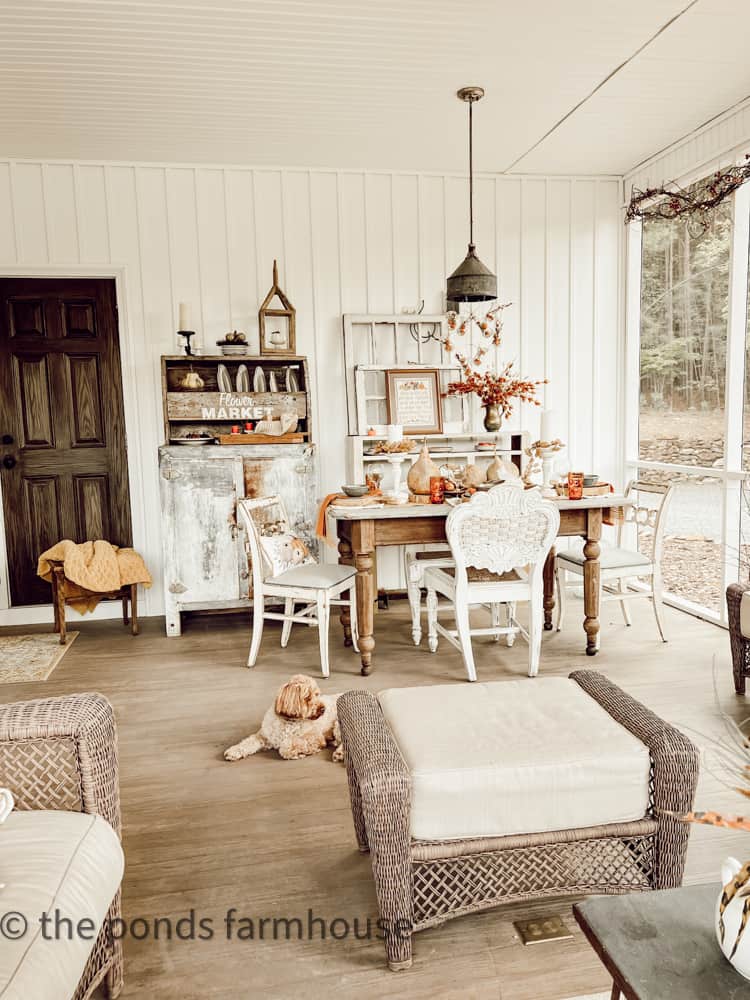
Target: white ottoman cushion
[(64, 861), (514, 757)]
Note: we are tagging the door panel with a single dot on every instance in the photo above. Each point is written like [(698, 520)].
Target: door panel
[(34, 396), (86, 400), (92, 506), (26, 317), (64, 472), (79, 319)]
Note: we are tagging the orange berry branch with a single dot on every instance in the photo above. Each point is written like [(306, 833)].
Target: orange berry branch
[(493, 388)]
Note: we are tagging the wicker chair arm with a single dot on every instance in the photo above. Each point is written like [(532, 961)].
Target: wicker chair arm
[(380, 791), (369, 742), (61, 753), (675, 758)]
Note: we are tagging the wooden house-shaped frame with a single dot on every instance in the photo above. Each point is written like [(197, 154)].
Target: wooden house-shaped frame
[(277, 326)]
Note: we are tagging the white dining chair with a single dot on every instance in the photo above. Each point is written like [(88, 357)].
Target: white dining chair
[(416, 561), (316, 587), (499, 542), (647, 508)]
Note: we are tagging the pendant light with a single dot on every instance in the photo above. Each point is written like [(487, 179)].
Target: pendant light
[(472, 281)]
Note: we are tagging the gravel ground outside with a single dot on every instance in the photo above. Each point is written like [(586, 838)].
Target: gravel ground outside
[(693, 555)]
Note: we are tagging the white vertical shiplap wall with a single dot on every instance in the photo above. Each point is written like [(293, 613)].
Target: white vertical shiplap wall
[(346, 242)]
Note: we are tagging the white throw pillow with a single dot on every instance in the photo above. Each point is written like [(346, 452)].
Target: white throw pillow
[(284, 551)]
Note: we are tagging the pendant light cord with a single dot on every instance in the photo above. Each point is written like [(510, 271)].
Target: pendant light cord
[(471, 175)]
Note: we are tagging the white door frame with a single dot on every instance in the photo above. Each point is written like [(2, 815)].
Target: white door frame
[(42, 613)]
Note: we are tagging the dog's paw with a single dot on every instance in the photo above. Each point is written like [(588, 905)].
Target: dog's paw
[(338, 754), (233, 753)]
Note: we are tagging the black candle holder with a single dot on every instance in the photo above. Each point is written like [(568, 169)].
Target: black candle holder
[(187, 334)]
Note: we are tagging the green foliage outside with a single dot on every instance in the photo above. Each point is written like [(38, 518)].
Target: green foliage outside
[(684, 306)]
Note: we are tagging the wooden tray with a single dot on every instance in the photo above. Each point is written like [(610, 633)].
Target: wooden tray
[(297, 438)]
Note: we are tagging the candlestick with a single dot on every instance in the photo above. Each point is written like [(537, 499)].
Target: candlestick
[(549, 422), (184, 326)]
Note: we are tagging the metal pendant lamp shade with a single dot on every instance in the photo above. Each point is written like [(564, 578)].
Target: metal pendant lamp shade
[(472, 281)]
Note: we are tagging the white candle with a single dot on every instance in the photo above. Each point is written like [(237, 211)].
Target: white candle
[(185, 319), (549, 422), (394, 432)]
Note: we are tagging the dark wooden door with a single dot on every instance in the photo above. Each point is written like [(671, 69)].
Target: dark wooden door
[(63, 458)]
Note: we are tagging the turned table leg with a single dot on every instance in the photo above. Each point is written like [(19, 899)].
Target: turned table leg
[(346, 559), (363, 547), (549, 589), (592, 581)]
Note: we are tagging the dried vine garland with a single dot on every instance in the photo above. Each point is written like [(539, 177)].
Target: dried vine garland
[(695, 202)]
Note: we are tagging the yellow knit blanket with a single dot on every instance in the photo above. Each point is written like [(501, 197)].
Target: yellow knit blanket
[(93, 569)]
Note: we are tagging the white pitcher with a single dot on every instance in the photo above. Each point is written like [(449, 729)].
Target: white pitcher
[(6, 804), (736, 952)]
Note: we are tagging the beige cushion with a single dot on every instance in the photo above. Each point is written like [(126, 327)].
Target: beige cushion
[(745, 614), (64, 861), (514, 757), (610, 558), (320, 576)]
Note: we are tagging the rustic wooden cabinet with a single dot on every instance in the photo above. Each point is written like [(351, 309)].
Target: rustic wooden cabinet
[(205, 565)]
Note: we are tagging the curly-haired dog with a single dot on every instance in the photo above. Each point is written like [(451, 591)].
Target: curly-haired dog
[(302, 721)]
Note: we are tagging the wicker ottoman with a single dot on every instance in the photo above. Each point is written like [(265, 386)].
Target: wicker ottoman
[(475, 795), (738, 613)]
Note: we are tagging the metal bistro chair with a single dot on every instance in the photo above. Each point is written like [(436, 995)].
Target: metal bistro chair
[(647, 510), (316, 586), (500, 541)]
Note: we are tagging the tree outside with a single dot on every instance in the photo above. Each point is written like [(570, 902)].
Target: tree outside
[(684, 315)]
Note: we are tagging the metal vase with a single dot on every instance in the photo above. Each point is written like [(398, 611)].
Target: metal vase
[(492, 418)]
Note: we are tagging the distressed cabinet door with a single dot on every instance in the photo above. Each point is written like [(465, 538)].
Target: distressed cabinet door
[(199, 500)]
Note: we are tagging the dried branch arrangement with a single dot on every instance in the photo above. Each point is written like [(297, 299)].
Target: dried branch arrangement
[(496, 388), (492, 388), (669, 201)]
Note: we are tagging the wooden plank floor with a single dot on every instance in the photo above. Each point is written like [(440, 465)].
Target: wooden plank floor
[(273, 838)]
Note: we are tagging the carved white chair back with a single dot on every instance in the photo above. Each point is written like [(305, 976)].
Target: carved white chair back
[(503, 529), (647, 511)]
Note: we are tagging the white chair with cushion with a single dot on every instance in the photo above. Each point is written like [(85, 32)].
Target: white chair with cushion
[(416, 561), (647, 510), (499, 541), (282, 567)]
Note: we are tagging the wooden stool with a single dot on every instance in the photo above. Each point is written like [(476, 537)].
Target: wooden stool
[(127, 593)]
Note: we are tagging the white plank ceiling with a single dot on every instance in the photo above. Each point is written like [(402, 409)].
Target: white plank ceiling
[(363, 84)]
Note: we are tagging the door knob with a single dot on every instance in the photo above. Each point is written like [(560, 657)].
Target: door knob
[(9, 462), (7, 439)]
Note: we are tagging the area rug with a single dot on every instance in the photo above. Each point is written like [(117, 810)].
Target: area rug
[(31, 657), (593, 996)]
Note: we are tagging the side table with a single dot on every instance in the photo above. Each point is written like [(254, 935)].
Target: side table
[(661, 945)]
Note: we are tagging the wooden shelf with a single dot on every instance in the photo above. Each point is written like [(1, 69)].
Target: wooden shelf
[(187, 405), (214, 412), (239, 439)]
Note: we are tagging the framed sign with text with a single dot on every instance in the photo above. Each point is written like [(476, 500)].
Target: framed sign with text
[(413, 400)]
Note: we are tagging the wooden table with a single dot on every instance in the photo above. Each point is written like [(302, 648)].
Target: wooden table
[(661, 945), (361, 529)]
